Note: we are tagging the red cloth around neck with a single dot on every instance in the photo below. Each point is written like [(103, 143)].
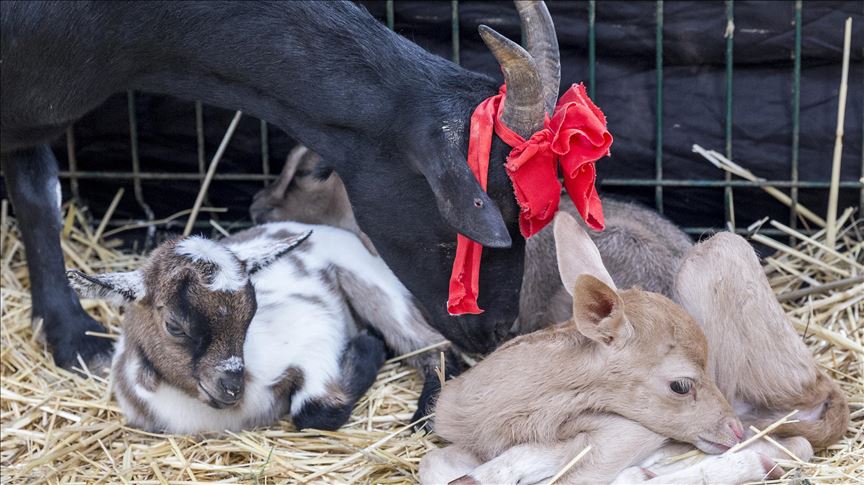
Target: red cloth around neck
[(574, 138)]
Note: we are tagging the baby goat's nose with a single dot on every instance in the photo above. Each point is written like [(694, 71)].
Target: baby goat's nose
[(232, 385), (736, 428)]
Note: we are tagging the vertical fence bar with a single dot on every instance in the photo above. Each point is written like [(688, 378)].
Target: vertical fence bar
[(265, 149), (199, 134), (136, 165), (658, 160), (390, 15), (728, 201), (454, 28), (796, 117), (592, 46), (202, 147), (73, 162)]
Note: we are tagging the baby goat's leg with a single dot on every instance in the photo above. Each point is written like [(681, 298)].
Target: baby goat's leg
[(753, 463), (361, 362), (740, 467), (443, 465), (616, 443), (392, 310), (526, 463)]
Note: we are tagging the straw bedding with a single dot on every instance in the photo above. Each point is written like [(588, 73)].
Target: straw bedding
[(58, 427)]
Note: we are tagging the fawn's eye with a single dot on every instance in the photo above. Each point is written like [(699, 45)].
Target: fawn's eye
[(681, 386), (175, 329)]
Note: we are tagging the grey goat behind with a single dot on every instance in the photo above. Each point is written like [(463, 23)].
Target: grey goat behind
[(639, 247), (301, 194)]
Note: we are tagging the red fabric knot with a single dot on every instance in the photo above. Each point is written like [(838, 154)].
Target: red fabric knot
[(574, 138)]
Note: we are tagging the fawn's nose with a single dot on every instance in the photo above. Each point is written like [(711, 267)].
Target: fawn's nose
[(231, 385)]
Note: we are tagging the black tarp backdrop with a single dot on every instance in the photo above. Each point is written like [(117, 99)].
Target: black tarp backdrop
[(694, 108)]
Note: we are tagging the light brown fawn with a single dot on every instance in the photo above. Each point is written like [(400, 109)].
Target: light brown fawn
[(629, 368), (610, 378)]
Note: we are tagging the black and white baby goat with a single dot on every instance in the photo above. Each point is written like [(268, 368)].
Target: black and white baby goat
[(235, 334)]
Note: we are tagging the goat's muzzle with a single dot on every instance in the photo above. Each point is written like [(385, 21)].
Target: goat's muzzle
[(225, 389), (727, 434)]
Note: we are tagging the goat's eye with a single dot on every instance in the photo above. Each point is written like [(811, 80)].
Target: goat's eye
[(681, 386), (175, 328)]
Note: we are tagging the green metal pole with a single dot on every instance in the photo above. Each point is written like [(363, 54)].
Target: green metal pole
[(136, 163), (658, 160), (265, 148), (73, 162), (390, 15), (796, 116), (592, 47), (454, 28), (728, 201)]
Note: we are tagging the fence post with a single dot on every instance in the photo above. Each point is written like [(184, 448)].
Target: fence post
[(728, 201)]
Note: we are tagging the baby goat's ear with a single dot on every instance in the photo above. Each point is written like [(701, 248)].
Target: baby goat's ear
[(264, 252), (577, 253), (118, 288), (598, 311)]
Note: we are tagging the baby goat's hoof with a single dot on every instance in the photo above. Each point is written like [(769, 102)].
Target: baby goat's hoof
[(634, 474), (465, 480), (772, 469)]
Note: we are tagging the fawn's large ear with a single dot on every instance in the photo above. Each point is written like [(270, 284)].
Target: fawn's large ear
[(260, 253), (118, 288), (598, 311), (577, 253)]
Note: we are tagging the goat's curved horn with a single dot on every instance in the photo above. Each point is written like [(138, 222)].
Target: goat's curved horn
[(524, 106), (543, 46)]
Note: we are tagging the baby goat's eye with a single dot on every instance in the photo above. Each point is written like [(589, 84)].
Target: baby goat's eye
[(175, 328), (681, 386)]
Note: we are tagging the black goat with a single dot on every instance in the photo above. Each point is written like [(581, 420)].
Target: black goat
[(390, 117)]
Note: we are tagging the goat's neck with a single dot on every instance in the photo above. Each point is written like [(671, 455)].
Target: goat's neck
[(589, 368), (377, 81), (593, 374)]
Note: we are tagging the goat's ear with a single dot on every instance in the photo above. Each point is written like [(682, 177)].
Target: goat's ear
[(295, 158), (577, 253), (118, 288), (263, 253), (463, 204), (598, 311)]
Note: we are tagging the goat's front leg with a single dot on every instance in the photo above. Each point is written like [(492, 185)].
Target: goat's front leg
[(359, 367), (31, 179), (386, 305), (443, 465), (751, 464), (740, 467), (616, 443), (526, 463)]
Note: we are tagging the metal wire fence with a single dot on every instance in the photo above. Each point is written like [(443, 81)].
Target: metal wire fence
[(658, 181)]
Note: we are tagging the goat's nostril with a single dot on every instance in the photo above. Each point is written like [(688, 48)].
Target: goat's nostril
[(736, 428), (232, 386)]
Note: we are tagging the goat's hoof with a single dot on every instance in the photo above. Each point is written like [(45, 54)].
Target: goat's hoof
[(647, 474), (465, 480), (772, 469), (634, 474), (94, 351)]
